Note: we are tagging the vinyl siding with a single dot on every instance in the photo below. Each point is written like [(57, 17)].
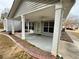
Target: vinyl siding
[(31, 5), (16, 23)]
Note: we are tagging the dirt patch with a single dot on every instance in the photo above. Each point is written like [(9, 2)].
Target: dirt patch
[(1, 25), (9, 50), (65, 37), (76, 34)]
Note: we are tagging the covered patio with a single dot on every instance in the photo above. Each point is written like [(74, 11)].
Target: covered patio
[(39, 37), (40, 41), (46, 30), (42, 38)]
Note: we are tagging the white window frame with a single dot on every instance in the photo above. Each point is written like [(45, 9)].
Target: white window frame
[(46, 26)]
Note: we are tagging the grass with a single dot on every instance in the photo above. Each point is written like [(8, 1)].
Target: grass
[(9, 50), (22, 55), (1, 25), (5, 41), (76, 34)]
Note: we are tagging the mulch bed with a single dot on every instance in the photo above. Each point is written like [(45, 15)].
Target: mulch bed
[(65, 37)]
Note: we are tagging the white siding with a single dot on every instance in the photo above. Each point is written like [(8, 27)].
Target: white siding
[(17, 25), (29, 5)]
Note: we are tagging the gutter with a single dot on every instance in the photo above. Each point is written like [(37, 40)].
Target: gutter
[(15, 4)]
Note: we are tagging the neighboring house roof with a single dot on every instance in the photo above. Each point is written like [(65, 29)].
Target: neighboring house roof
[(17, 3)]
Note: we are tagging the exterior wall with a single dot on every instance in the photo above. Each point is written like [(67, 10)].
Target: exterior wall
[(29, 5), (17, 25), (4, 24), (46, 33), (39, 29)]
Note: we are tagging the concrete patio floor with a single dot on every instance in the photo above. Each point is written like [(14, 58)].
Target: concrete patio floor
[(67, 49), (40, 41)]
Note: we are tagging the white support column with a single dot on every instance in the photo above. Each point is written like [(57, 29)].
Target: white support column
[(6, 24), (28, 26), (13, 27), (23, 26), (57, 28)]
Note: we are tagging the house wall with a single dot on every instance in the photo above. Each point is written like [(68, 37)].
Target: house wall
[(28, 6), (39, 29), (16, 23)]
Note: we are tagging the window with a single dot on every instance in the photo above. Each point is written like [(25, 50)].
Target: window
[(51, 30), (45, 29), (45, 26), (45, 23), (31, 25), (26, 27), (49, 26)]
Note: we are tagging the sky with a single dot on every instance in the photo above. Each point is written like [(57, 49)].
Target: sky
[(5, 4), (75, 9), (8, 4)]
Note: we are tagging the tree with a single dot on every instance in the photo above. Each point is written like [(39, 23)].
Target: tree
[(4, 13)]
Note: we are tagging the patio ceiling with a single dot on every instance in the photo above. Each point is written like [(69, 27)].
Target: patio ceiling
[(43, 14), (16, 5), (47, 13)]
